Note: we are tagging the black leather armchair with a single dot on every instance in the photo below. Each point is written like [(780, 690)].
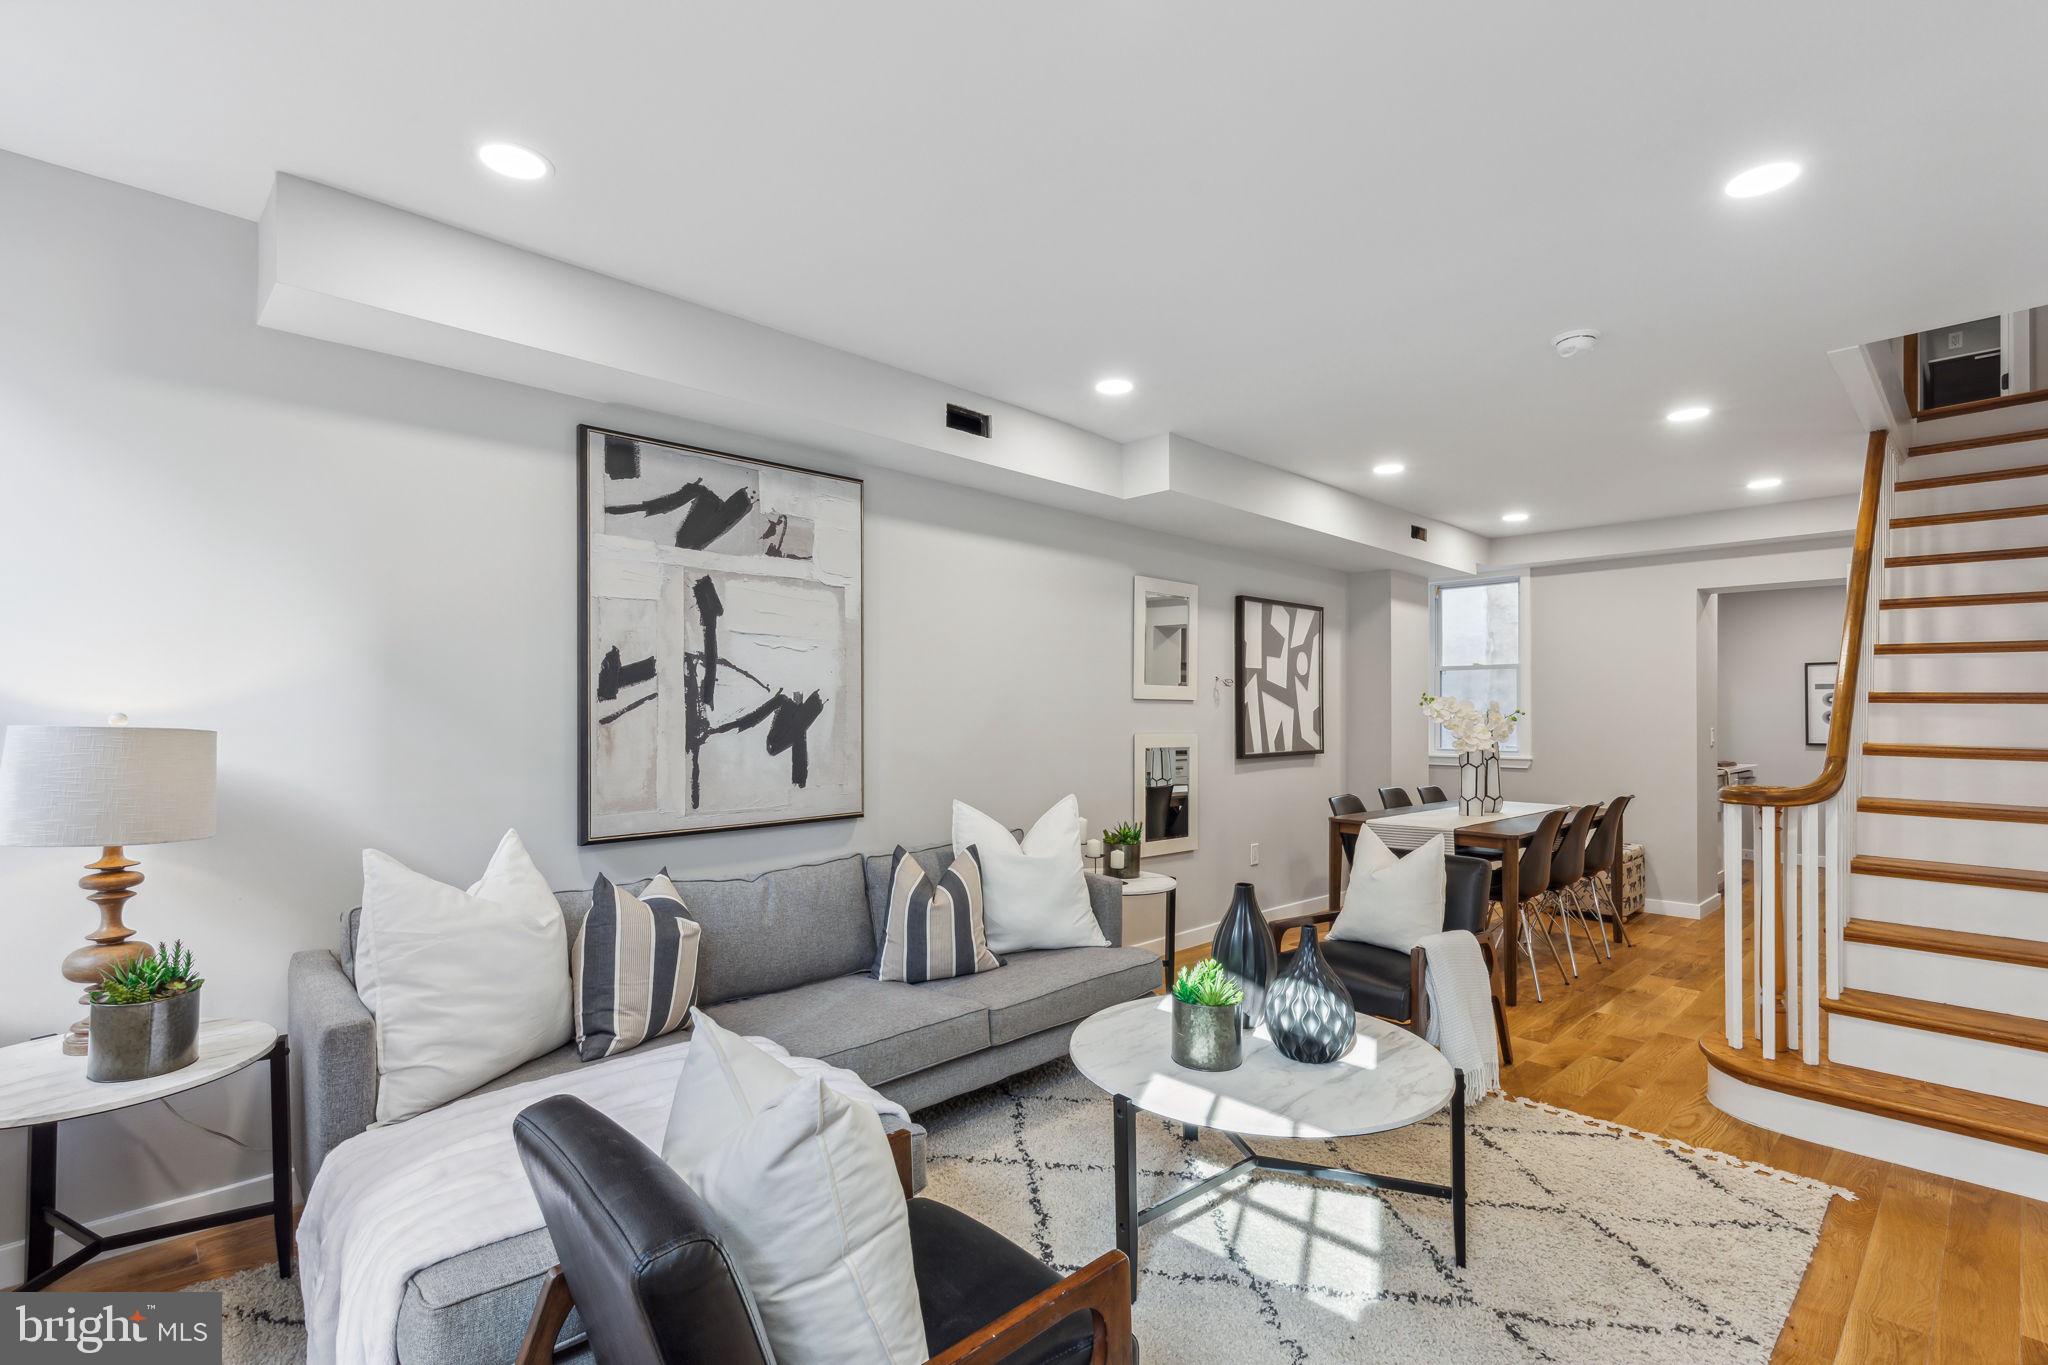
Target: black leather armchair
[(1388, 983), (644, 1259)]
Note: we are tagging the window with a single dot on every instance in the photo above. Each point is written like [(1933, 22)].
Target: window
[(1480, 634)]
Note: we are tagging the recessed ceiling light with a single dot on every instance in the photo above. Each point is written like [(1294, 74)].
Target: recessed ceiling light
[(1114, 388), (513, 161), (1764, 484), (1514, 516), (1386, 467), (1689, 414), (1772, 175)]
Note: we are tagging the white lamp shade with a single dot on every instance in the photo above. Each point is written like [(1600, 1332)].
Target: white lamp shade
[(89, 786)]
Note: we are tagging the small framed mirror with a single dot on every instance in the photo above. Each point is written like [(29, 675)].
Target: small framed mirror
[(1163, 619), (1165, 793)]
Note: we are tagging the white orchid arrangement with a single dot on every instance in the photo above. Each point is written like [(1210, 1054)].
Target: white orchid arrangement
[(1471, 729)]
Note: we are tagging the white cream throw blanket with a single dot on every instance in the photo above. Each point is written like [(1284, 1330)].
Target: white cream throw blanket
[(1460, 992), (392, 1201)]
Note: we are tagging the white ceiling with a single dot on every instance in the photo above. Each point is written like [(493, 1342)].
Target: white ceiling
[(1315, 234)]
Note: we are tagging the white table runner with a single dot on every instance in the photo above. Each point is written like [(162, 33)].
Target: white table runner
[(1410, 829)]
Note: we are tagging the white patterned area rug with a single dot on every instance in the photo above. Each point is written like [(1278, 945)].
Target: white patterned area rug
[(1586, 1241)]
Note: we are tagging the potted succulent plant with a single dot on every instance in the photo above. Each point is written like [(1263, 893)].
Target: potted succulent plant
[(145, 1017), (1120, 847), (1208, 1024)]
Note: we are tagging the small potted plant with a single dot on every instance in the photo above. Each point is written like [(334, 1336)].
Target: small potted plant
[(145, 1018), (1208, 1029), (1120, 848)]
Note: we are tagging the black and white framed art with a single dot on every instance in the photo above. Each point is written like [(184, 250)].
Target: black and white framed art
[(1279, 678), (720, 625)]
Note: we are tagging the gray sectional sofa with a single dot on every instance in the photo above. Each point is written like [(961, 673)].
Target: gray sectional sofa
[(785, 955)]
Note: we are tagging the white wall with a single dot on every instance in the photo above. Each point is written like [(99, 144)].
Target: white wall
[(1389, 671), (362, 572), (1766, 640)]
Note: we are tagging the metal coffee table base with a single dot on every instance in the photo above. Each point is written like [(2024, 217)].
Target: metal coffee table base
[(1129, 1217)]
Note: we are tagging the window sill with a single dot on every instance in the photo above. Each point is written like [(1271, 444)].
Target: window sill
[(1451, 761)]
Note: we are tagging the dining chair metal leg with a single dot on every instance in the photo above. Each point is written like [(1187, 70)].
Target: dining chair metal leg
[(1596, 948), (1529, 956), (1554, 903), (1536, 922), (1603, 882), (1592, 894)]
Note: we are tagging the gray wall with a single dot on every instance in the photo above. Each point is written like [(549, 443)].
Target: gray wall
[(361, 571), (1766, 640)]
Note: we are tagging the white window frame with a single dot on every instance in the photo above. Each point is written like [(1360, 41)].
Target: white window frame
[(1524, 652)]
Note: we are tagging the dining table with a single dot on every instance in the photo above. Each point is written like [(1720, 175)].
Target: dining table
[(1502, 834)]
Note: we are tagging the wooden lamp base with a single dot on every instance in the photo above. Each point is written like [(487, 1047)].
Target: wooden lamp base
[(110, 884)]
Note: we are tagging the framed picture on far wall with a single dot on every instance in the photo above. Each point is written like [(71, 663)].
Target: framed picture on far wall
[(1820, 703), (720, 627), (1279, 678)]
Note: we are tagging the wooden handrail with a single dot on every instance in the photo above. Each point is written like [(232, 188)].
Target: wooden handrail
[(1835, 765)]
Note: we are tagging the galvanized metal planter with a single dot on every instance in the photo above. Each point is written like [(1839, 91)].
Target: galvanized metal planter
[(1121, 860), (1207, 1037), (135, 1042)]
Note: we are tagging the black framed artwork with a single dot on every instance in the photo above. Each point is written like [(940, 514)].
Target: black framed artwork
[(719, 630), (1279, 678), (1820, 703)]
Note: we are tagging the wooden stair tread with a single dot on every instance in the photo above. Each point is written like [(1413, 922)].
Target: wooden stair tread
[(1975, 752), (1994, 1118), (1965, 557), (1952, 810), (1972, 443), (1959, 1021), (2022, 471), (1958, 874), (1966, 647), (1918, 938), (2035, 509), (1963, 599), (1961, 698)]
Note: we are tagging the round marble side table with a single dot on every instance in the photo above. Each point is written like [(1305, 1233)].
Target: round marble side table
[(40, 1087), (1389, 1079)]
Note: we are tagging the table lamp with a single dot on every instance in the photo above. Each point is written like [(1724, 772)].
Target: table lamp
[(104, 786)]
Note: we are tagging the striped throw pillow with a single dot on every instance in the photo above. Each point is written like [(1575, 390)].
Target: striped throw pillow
[(934, 932), (635, 967)]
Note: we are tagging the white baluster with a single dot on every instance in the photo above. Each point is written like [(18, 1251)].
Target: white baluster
[(1791, 914), (1837, 899), (1733, 821), (1809, 934), (1767, 930)]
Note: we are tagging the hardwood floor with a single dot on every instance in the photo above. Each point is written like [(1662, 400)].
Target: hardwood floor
[(1919, 1271)]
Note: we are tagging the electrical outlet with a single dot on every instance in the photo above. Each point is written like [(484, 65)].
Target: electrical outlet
[(1711, 738), (1255, 855)]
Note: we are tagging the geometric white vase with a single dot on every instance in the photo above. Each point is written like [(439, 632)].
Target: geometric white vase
[(1479, 782)]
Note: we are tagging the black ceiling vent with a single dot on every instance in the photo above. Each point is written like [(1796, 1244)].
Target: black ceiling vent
[(967, 420), (1418, 533)]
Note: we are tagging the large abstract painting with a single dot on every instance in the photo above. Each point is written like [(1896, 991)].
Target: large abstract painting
[(1279, 678), (721, 639)]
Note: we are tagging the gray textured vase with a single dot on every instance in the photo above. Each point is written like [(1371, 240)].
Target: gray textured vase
[(1125, 867), (1207, 1037), (1244, 948), (1308, 1010), (135, 1042)]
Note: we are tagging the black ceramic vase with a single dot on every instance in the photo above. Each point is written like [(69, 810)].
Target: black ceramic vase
[(1244, 947), (1308, 1011)]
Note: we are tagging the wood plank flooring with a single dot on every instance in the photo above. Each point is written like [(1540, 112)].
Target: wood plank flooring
[(1920, 1270)]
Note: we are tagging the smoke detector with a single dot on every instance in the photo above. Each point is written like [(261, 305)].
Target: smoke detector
[(1575, 342)]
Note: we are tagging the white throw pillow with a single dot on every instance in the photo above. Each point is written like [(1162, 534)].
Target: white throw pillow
[(465, 985), (1033, 894), (805, 1187), (1394, 902)]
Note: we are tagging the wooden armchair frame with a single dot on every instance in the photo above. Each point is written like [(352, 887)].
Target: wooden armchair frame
[(1102, 1289)]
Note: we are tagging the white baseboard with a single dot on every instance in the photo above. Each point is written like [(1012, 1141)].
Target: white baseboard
[(255, 1190), (1187, 935), (1684, 909)]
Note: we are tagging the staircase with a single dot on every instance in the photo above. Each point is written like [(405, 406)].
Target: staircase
[(1924, 985)]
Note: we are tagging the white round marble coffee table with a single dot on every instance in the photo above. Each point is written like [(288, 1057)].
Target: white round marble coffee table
[(1389, 1079)]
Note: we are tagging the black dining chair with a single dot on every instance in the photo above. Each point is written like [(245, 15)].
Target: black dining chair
[(1533, 884), (1567, 885), (1389, 983), (1428, 795), (645, 1261), (1347, 804), (1604, 853), (1394, 798)]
